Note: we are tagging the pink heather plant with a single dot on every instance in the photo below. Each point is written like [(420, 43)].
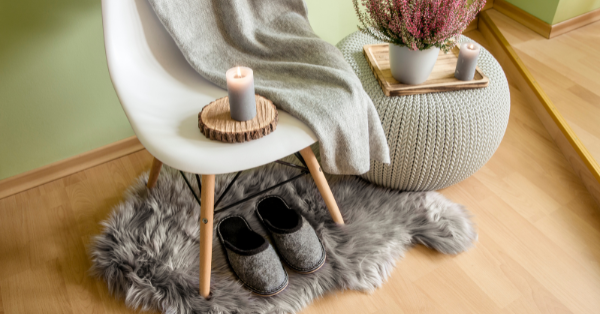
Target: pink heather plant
[(417, 24)]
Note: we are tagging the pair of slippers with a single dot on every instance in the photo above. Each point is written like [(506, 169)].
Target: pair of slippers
[(252, 257)]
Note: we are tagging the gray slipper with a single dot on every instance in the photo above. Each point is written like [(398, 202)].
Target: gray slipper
[(252, 258), (295, 239)]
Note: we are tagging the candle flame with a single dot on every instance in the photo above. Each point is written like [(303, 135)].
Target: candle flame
[(471, 46), (239, 74)]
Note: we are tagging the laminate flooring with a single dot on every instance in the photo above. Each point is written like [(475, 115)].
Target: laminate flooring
[(538, 249), (567, 67)]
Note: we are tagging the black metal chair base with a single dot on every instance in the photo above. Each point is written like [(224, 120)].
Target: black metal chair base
[(303, 171)]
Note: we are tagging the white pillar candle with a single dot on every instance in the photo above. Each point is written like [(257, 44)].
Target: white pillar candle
[(240, 88), (467, 61)]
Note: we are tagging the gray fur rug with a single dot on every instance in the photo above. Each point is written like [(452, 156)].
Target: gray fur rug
[(148, 252)]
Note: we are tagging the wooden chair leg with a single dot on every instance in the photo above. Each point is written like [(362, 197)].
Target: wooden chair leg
[(322, 185), (154, 171), (207, 201)]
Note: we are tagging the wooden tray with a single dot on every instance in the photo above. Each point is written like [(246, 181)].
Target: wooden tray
[(214, 121), (441, 78)]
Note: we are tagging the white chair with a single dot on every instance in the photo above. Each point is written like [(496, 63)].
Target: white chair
[(162, 95)]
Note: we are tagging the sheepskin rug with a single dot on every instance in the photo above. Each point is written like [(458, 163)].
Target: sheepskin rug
[(148, 252)]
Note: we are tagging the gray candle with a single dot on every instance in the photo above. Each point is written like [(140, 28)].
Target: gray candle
[(240, 88), (467, 61)]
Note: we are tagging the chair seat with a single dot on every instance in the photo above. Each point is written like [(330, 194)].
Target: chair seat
[(162, 96)]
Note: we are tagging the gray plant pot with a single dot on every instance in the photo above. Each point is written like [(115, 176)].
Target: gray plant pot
[(412, 67)]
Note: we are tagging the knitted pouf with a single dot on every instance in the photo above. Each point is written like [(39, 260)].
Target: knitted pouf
[(435, 139)]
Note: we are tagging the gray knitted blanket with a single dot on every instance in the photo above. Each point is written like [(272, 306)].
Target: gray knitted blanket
[(299, 72)]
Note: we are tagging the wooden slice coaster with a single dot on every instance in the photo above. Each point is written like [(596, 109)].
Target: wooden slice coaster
[(215, 121)]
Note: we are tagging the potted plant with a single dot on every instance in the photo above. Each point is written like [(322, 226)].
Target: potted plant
[(416, 31)]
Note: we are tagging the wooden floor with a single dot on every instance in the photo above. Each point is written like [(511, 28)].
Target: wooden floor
[(568, 69), (538, 248)]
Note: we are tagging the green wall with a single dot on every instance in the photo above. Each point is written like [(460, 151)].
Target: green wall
[(542, 9), (332, 20), (571, 8), (56, 98), (556, 11)]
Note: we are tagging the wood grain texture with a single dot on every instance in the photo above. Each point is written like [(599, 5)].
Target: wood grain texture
[(538, 249), (207, 210), (57, 170), (575, 23), (319, 177), (523, 17), (215, 121), (541, 27), (154, 172), (46, 280), (472, 26), (565, 137), (441, 78), (567, 69), (488, 5)]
